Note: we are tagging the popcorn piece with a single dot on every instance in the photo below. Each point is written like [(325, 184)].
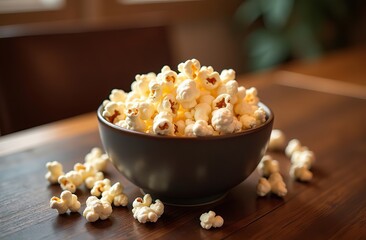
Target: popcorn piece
[(227, 75), (133, 120), (156, 91), (146, 110), (179, 127), (86, 170), (277, 140), (201, 128), (70, 181), (210, 219), (275, 184), (100, 186), (187, 93), (169, 104), (114, 112), (167, 77), (260, 116), (90, 181), (117, 95), (141, 83), (268, 166), (97, 159), (251, 96), (231, 88), (303, 158), (248, 121), (263, 187), (144, 211), (54, 171), (190, 68), (301, 173), (67, 201), (115, 195), (293, 146), (97, 209), (206, 98), (222, 101), (163, 124), (223, 121), (202, 112), (208, 78)]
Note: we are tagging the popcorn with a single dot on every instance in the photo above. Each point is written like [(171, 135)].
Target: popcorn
[(86, 170), (301, 173), (201, 128), (133, 120), (115, 195), (277, 140), (208, 78), (144, 211), (223, 121), (193, 93), (114, 111), (210, 219), (231, 88), (163, 124), (169, 104), (67, 201), (117, 95), (268, 166), (187, 93), (202, 111), (301, 160), (90, 181), (54, 171), (97, 209), (70, 181), (97, 159), (190, 68), (274, 184), (251, 96), (293, 146), (227, 74), (100, 186)]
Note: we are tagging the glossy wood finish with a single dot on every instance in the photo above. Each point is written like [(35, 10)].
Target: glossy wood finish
[(332, 206)]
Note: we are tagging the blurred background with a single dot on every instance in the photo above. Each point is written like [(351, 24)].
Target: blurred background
[(61, 58)]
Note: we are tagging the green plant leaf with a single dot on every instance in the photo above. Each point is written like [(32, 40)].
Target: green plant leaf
[(276, 13), (248, 12), (266, 49)]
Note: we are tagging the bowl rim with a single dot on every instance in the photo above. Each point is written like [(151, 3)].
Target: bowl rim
[(269, 120)]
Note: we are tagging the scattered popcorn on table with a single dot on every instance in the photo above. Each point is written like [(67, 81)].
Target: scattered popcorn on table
[(86, 170), (70, 181), (67, 201), (146, 211), (277, 141), (90, 181), (115, 195), (267, 166), (301, 161), (274, 184), (97, 159), (189, 103), (54, 171), (100, 186), (210, 219), (293, 146), (97, 209)]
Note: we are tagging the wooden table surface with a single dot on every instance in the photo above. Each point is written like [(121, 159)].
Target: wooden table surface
[(323, 104)]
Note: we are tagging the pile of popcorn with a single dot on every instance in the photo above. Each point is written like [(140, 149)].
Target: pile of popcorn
[(195, 101), (104, 194), (301, 161)]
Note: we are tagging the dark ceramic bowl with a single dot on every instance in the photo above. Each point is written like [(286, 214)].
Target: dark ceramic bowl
[(185, 170)]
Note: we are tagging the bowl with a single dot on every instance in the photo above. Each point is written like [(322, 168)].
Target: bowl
[(185, 170)]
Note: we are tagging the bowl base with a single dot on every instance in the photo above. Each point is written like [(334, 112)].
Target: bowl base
[(187, 202)]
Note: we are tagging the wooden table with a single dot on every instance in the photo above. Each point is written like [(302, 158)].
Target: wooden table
[(326, 111)]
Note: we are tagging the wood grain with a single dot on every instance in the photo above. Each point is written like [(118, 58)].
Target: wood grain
[(332, 206)]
